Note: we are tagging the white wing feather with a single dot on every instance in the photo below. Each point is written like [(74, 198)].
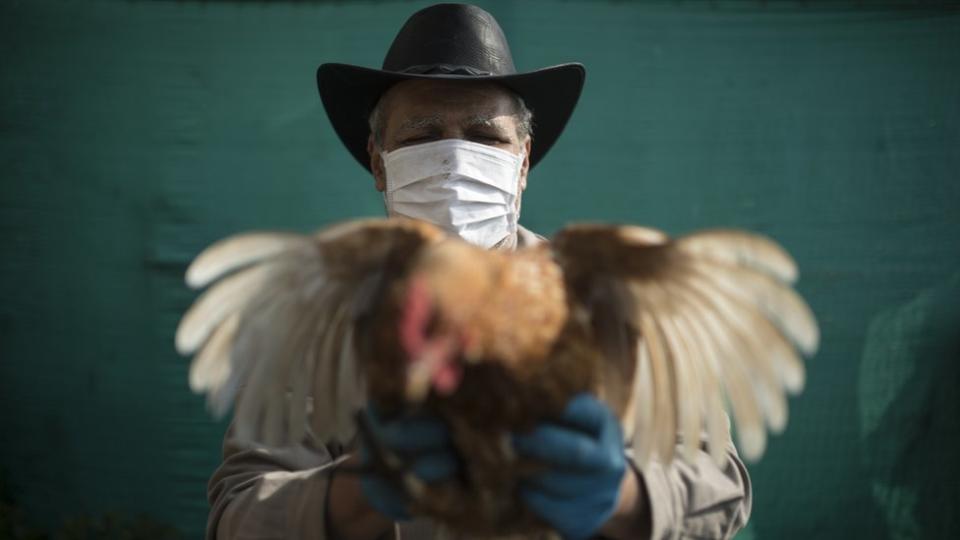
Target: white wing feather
[(730, 322), (276, 331), (719, 328), (238, 251)]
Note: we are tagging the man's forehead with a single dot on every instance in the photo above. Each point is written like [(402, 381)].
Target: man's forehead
[(426, 102)]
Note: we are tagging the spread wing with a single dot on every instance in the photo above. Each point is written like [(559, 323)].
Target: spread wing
[(691, 326), (277, 328)]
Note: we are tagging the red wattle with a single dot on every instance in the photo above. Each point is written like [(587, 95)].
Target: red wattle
[(446, 378)]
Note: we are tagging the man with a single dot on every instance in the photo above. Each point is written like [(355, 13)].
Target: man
[(446, 130)]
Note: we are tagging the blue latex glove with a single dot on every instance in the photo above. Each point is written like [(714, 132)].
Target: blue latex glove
[(585, 463), (422, 442)]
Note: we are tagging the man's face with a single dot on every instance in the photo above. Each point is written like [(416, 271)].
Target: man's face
[(421, 111)]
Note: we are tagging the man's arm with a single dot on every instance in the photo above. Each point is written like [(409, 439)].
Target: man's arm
[(303, 491), (702, 500), (279, 493), (288, 493)]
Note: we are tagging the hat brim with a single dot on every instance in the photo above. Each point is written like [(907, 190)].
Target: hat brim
[(350, 92)]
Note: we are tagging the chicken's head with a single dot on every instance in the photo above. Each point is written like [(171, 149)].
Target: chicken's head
[(444, 291)]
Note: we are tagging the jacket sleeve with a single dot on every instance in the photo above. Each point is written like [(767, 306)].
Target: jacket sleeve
[(698, 500), (280, 493), (264, 493), (270, 493)]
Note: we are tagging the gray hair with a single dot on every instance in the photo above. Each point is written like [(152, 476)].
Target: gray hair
[(522, 113)]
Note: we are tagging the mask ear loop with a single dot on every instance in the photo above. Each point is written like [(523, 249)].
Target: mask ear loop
[(522, 156), (386, 184)]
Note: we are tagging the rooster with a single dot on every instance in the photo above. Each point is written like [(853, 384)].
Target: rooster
[(668, 333)]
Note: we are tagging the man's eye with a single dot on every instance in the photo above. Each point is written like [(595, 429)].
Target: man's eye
[(494, 139), (415, 140)]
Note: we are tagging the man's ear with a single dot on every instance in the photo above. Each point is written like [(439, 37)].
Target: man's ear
[(525, 167), (376, 165)]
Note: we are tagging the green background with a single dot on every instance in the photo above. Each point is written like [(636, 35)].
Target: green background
[(133, 133)]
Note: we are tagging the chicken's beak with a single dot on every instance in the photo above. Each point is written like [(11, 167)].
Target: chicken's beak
[(435, 366), (418, 380)]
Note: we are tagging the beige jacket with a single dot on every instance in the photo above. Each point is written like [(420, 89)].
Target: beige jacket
[(280, 493)]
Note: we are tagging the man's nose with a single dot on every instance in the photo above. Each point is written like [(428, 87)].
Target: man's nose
[(452, 132)]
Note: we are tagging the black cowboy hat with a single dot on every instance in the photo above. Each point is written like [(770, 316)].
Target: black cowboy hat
[(448, 41)]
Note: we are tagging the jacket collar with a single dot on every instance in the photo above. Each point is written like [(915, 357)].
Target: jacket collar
[(528, 238)]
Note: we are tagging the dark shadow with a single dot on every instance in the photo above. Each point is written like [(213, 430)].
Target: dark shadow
[(910, 407)]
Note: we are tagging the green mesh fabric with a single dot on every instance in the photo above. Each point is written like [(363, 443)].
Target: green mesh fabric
[(132, 134)]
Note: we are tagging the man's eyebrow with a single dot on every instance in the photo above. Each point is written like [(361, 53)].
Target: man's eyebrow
[(480, 120), (484, 119), (418, 122)]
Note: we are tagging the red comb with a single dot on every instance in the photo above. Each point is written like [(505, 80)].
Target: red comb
[(415, 318)]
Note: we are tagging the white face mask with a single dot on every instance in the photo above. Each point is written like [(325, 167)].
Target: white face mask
[(467, 188)]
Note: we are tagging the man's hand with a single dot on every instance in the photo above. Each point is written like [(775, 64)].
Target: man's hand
[(364, 507), (422, 443), (579, 491)]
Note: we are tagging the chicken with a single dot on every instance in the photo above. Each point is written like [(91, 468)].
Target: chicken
[(667, 332)]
